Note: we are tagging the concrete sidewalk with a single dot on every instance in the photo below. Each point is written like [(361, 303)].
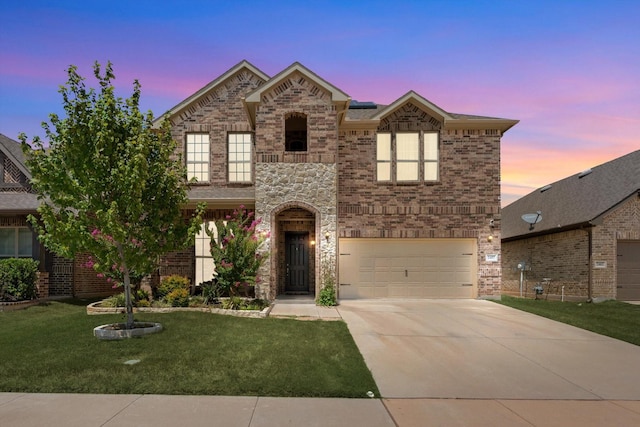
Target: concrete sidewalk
[(88, 410)]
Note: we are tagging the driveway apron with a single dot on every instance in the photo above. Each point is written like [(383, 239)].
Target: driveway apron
[(476, 349)]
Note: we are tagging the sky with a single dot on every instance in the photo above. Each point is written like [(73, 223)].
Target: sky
[(569, 70)]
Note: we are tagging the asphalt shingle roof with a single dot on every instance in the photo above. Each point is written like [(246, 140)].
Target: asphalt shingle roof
[(575, 201)]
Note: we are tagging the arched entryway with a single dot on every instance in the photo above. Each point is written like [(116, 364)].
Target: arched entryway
[(295, 255)]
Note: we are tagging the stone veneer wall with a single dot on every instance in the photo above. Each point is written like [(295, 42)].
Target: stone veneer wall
[(280, 186)]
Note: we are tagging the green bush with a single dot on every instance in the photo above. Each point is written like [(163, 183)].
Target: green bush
[(327, 296), (18, 278), (178, 298), (171, 283), (117, 300)]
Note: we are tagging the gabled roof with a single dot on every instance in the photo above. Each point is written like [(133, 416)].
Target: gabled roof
[(577, 201), (449, 120), (210, 87), (254, 98), (13, 150), (336, 94), (414, 98)]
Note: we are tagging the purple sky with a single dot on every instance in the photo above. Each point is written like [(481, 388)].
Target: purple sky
[(568, 70)]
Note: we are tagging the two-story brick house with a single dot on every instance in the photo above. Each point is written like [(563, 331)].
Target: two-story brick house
[(399, 200)]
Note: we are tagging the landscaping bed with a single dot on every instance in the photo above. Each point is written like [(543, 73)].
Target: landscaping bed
[(99, 308)]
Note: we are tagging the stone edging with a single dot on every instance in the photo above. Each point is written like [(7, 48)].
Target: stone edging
[(18, 305), (93, 309)]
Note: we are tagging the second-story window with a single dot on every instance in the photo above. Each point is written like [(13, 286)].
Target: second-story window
[(239, 157), (407, 157), (295, 132), (198, 156)]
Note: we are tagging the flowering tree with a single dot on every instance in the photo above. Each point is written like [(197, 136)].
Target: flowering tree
[(111, 185), (235, 248)]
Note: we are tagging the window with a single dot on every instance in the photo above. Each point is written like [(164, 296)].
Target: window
[(198, 156), (384, 157), (15, 242), (295, 132), (239, 157), (430, 156), (407, 157), (205, 266)]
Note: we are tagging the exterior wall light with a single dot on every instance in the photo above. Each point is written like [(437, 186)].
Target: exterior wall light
[(327, 235), (312, 243), (490, 238)]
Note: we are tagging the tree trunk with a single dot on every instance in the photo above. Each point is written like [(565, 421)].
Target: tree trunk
[(127, 288), (127, 296)]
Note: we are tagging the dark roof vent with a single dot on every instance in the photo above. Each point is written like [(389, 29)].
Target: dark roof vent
[(545, 188), (584, 173), (366, 105)]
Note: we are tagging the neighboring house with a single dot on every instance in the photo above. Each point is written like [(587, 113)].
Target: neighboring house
[(58, 276), (588, 241), (399, 200)]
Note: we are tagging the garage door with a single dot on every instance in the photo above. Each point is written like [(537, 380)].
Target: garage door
[(628, 271), (408, 268)]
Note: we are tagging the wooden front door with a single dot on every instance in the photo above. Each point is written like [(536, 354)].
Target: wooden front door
[(297, 262)]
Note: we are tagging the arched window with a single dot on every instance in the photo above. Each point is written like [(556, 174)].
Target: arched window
[(295, 133)]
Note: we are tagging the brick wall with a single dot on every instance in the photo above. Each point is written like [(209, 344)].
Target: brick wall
[(460, 205), (86, 283), (219, 112), (61, 276), (296, 94), (564, 257), (623, 223)]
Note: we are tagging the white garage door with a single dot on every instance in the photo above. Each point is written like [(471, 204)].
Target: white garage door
[(628, 271), (408, 268)]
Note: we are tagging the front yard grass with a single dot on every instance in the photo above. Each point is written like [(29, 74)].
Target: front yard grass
[(51, 348), (611, 318)]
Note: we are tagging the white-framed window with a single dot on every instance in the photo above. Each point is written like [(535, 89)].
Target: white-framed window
[(407, 157), (383, 157), (198, 156), (16, 242), (205, 267), (239, 157), (430, 156)]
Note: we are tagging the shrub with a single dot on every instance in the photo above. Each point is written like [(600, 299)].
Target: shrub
[(171, 283), (327, 295), (18, 278), (117, 300), (178, 298)]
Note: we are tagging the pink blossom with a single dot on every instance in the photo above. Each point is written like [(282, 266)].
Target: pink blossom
[(100, 275)]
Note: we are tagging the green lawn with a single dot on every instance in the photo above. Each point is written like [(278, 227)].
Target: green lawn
[(611, 318), (52, 349)]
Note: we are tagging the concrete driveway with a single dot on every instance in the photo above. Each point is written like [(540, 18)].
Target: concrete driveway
[(474, 349)]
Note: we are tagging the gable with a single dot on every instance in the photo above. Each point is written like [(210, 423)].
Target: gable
[(295, 77), (409, 117), (243, 74)]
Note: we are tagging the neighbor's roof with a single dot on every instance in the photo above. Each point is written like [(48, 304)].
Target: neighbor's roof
[(18, 203), (13, 150), (576, 201)]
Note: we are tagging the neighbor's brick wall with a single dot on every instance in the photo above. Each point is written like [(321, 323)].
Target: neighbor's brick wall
[(86, 283), (623, 223), (562, 257), (217, 114), (460, 205), (61, 276), (43, 285)]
